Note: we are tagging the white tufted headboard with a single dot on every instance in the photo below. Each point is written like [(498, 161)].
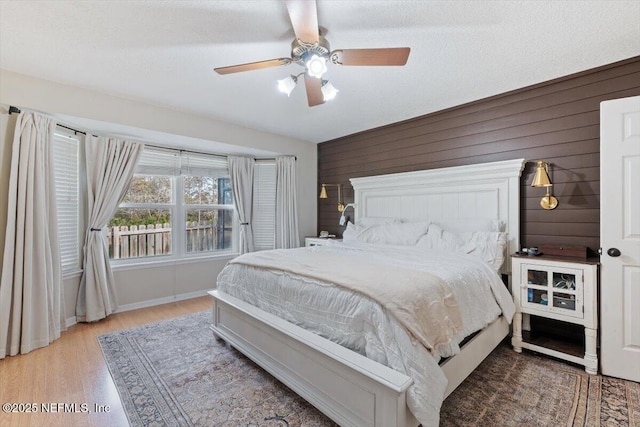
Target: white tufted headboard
[(480, 191)]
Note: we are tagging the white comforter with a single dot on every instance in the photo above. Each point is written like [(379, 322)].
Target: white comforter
[(362, 325)]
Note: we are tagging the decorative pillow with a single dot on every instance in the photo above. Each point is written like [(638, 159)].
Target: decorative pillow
[(438, 238), (350, 234), (489, 246), (406, 234)]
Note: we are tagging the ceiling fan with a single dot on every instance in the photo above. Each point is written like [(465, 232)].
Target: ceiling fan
[(312, 51)]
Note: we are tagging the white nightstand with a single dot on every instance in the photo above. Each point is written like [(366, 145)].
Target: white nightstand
[(317, 241), (563, 289)]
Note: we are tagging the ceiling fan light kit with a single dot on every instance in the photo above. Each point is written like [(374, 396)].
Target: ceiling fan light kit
[(287, 85), (312, 51)]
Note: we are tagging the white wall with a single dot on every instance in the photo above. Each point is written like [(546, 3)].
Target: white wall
[(149, 283)]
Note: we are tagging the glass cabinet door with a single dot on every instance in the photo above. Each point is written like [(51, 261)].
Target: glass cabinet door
[(564, 290), (537, 284), (549, 289)]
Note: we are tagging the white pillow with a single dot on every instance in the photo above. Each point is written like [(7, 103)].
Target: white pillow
[(489, 246), (470, 224), (406, 234), (438, 238), (372, 220), (350, 234)]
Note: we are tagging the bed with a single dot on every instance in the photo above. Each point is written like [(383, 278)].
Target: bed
[(351, 389)]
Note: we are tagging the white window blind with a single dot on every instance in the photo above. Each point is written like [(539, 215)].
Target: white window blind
[(195, 164), (66, 169), (264, 205), (158, 162)]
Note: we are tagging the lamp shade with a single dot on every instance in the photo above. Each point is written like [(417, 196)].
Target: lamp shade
[(541, 179), (328, 91), (287, 85), (316, 66), (323, 192)]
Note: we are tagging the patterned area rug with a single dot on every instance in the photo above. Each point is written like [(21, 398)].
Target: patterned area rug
[(510, 389), (174, 373)]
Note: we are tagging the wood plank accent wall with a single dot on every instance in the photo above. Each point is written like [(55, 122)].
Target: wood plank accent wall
[(557, 121)]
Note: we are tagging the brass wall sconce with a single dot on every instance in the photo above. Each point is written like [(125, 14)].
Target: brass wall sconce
[(323, 194), (541, 179)]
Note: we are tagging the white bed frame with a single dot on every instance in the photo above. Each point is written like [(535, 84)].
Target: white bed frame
[(349, 388)]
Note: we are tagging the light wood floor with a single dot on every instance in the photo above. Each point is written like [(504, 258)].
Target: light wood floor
[(72, 370)]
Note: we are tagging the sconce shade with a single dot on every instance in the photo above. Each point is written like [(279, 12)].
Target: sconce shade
[(323, 192), (541, 179)]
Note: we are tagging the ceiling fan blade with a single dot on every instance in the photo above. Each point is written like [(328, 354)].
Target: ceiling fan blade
[(253, 66), (384, 56), (304, 19), (314, 90)]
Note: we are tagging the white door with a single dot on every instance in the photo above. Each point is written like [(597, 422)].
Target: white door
[(620, 237)]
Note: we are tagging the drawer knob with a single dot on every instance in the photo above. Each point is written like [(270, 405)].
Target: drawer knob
[(614, 252)]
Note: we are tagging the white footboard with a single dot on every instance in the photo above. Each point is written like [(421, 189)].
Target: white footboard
[(472, 353), (347, 387)]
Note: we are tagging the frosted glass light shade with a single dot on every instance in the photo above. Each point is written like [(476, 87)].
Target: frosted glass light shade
[(316, 66), (287, 85), (328, 91)]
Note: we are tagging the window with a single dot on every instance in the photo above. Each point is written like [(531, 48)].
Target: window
[(142, 225), (177, 204), (66, 174), (208, 204), (263, 222)]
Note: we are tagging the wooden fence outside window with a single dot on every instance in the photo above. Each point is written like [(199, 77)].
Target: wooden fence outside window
[(151, 240)]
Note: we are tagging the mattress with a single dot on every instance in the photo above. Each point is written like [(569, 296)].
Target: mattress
[(363, 325)]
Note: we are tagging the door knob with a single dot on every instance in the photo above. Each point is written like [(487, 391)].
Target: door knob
[(614, 252)]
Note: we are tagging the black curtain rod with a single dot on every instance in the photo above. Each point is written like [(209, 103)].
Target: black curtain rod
[(73, 130), (182, 151), (205, 154), (16, 110)]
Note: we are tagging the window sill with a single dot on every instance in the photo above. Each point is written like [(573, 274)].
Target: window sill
[(167, 261)]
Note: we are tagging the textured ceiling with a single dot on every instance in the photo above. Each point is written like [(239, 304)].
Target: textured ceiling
[(164, 52)]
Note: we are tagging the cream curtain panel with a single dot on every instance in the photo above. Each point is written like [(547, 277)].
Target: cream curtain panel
[(287, 235), (241, 176), (110, 165), (31, 293)]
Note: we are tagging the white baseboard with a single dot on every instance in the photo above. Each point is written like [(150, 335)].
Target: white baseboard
[(70, 321), (159, 301)]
